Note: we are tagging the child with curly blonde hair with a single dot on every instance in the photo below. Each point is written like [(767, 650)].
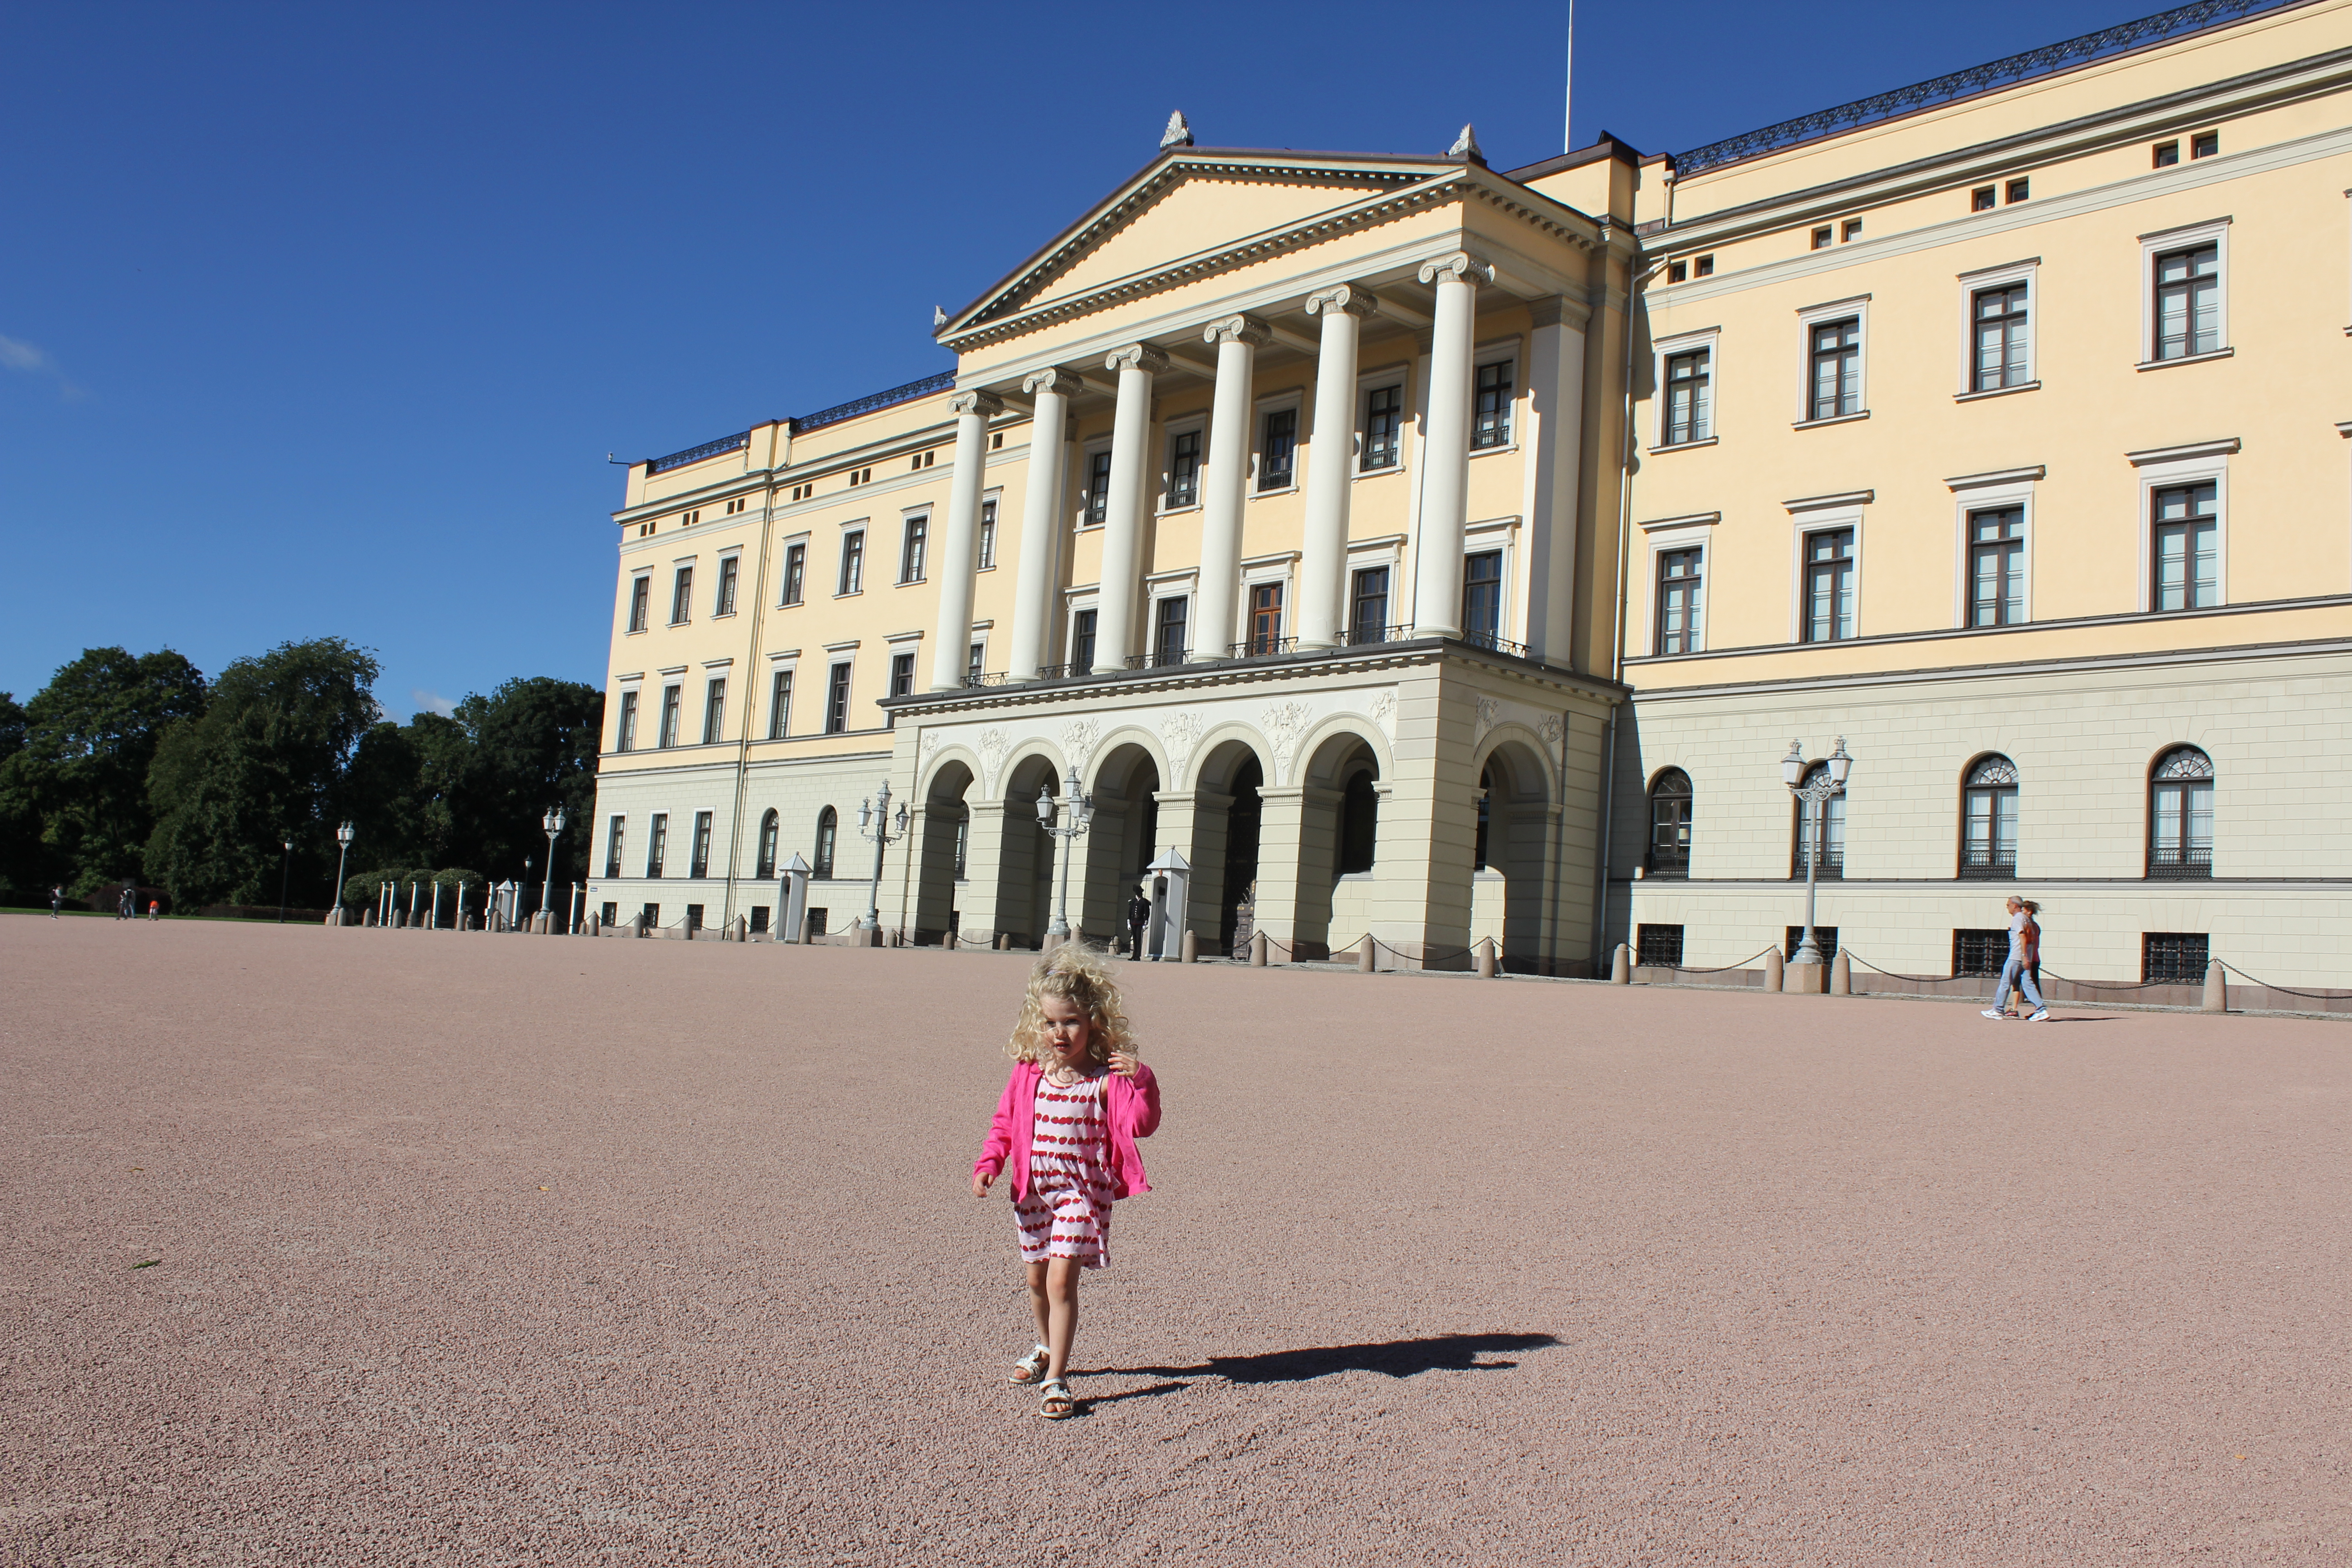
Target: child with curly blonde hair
[(1072, 1109)]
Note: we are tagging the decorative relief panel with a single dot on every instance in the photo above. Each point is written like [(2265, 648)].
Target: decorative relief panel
[(1181, 730), (1285, 722), (1489, 712), (1078, 740), (1551, 728), (1383, 709)]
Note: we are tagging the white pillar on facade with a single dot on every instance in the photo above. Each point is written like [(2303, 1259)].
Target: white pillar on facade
[(1330, 460), (1238, 339), (1122, 550), (1553, 442), (1041, 521), (958, 556), (1445, 454)]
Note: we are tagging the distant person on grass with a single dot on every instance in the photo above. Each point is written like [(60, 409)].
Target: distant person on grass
[(2024, 963), (1075, 1104), (57, 900)]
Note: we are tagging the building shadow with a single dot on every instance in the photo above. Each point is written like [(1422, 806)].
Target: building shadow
[(1393, 1358)]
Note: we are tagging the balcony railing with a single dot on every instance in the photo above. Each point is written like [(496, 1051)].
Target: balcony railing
[(695, 454), (987, 678), (1262, 647), (1671, 867), (1360, 636), (1988, 865), (2180, 865), (1063, 671), (1832, 865), (1493, 644), (1158, 658)]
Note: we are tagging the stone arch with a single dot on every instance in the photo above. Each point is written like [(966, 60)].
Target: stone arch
[(1123, 838), (1013, 854), (948, 756), (941, 849), (1332, 809), (1515, 891), (1221, 797), (1214, 757)]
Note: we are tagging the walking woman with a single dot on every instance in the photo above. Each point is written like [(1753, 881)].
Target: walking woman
[(2024, 960)]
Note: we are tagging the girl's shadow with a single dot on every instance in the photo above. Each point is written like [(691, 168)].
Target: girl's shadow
[(1395, 1358)]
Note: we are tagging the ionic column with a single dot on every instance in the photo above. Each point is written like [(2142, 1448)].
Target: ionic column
[(1041, 521), (957, 555), (1238, 339), (1445, 454), (1331, 453), (1122, 550)]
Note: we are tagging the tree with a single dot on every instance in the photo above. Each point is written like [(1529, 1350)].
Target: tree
[(77, 779), (534, 744), (265, 762)]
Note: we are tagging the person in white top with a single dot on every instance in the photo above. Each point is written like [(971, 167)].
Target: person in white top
[(2024, 954)]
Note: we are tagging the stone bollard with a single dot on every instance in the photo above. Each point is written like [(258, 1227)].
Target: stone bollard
[(1257, 950), (2217, 988), (1364, 959), (1621, 965), (1840, 977), (595, 926), (742, 928), (1004, 942), (637, 924), (1188, 950), (1773, 970), (1485, 948)]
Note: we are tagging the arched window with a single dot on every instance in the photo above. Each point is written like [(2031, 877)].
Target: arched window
[(827, 825), (2180, 815), (1486, 790), (1670, 824), (1833, 833), (767, 848), (1359, 823), (1988, 819)]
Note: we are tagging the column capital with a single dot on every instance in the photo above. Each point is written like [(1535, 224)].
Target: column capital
[(1561, 311), (987, 405), (1136, 356), (1347, 296), (1461, 266), (1057, 381), (1238, 330)]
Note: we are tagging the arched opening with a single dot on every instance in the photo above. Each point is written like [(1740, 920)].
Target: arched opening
[(1833, 818), (1988, 819), (1118, 845), (1227, 815), (1510, 891), (828, 830), (2180, 815), (1337, 846), (1025, 857), (767, 857), (1670, 826), (940, 849)]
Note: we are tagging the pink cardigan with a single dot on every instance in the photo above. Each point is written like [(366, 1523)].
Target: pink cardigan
[(1134, 1107)]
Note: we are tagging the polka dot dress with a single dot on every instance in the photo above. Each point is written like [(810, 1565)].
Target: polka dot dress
[(1068, 1211)]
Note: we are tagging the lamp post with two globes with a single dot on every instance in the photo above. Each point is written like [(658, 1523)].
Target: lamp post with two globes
[(551, 825), (1813, 797), (1078, 811), (874, 822)]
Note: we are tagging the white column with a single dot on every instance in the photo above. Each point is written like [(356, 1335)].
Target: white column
[(1238, 339), (1041, 521), (1330, 461), (1445, 453), (1122, 551), (1552, 448), (957, 550)]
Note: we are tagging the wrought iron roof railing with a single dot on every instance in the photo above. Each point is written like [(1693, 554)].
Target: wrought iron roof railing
[(695, 454), (868, 403), (2044, 61)]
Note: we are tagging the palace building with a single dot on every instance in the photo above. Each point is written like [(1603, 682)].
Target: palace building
[(1432, 552)]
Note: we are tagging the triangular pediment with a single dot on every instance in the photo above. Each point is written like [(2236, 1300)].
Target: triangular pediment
[(1190, 203)]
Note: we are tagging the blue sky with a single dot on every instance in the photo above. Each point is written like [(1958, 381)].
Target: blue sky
[(320, 319)]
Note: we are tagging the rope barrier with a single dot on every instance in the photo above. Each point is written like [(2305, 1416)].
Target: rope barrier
[(1686, 969), (1918, 979), (2287, 990)]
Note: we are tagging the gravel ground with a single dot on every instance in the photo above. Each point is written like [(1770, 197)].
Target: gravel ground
[(354, 1247)]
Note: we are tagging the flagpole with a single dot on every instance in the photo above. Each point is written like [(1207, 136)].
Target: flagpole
[(1568, 92)]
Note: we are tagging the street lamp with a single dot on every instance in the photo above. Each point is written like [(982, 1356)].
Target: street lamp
[(284, 871), (551, 825), (1080, 811), (874, 822), (343, 836), (1813, 797)]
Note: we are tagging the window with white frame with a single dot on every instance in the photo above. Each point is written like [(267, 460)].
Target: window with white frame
[(1491, 400), (1996, 566), (1833, 355), (672, 697), (780, 704), (1093, 501), (913, 547), (2185, 292), (1183, 469), (615, 842), (1170, 628), (795, 573), (681, 596), (1082, 641), (1827, 609), (853, 562), (1277, 448), (641, 593), (625, 738), (1690, 407), (2185, 503), (987, 536), (1680, 581), (730, 572), (837, 699), (1384, 434), (2000, 333), (714, 709)]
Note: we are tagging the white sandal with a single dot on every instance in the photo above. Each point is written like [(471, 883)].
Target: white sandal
[(1056, 1390), (1030, 1367)]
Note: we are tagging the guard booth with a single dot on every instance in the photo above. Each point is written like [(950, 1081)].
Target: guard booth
[(1171, 901), (792, 900)]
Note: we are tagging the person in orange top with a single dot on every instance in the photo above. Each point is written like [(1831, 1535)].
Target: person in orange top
[(2024, 961)]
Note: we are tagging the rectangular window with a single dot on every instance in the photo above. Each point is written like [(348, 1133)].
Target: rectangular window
[(714, 712), (758, 920), (2186, 557), (2205, 144), (2018, 190), (1829, 585), (1996, 567), (729, 569), (2180, 828), (625, 738), (1999, 356), (1703, 267), (1979, 952), (615, 841), (973, 658), (1384, 430), (780, 706), (853, 561), (1265, 619), (795, 573), (2166, 155), (1368, 610), (693, 917), (1097, 488), (1658, 947), (1821, 238), (2174, 957), (1849, 230), (1688, 415), (987, 535), (1278, 449), (641, 593), (699, 864), (672, 701), (681, 596), (1679, 584), (910, 552), (1082, 643), (612, 912), (1677, 271), (1980, 200), (1168, 630), (1824, 938), (1837, 369), (1184, 470), (902, 674), (2189, 302), (1490, 419), (658, 844), (836, 700), (1482, 596)]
